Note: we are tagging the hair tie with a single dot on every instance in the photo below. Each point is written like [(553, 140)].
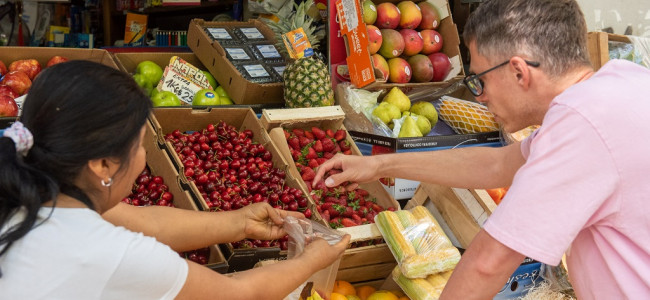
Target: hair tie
[(21, 137)]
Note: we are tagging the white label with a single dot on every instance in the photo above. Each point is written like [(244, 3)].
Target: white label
[(435, 23), (238, 53), (407, 71), (176, 83), (350, 13), (252, 33), (219, 33), (280, 69), (268, 51), (437, 38), (256, 71)]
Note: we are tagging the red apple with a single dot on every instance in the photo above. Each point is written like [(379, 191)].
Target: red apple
[(18, 81), (3, 68), (7, 90), (432, 41), (374, 38), (441, 65), (8, 107), (55, 60), (31, 67)]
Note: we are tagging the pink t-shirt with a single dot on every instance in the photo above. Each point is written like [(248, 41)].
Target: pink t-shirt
[(585, 186)]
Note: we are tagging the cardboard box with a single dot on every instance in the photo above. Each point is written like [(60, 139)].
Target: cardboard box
[(213, 56), (276, 120), (160, 164), (598, 46), (43, 54), (368, 263), (338, 57), (167, 120)]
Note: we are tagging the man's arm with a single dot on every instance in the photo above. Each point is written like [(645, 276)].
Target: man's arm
[(471, 167), (483, 269)]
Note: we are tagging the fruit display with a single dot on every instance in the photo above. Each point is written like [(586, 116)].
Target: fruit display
[(417, 242), (149, 190), (465, 116), (339, 208), (406, 36), (230, 171), (300, 18), (418, 119), (344, 290), (428, 288)]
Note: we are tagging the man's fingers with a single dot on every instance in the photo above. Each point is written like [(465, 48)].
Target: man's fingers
[(343, 244)]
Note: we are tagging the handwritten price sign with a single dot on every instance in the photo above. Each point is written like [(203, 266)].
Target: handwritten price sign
[(183, 79)]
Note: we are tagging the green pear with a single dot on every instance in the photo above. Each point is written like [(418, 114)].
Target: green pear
[(427, 110), (386, 112), (398, 98), (409, 128), (423, 124)]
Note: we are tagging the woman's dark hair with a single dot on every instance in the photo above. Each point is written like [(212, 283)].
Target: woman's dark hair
[(77, 111)]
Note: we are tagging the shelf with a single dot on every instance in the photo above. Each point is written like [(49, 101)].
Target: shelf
[(177, 9)]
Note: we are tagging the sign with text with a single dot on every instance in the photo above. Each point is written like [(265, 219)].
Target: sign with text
[(183, 79)]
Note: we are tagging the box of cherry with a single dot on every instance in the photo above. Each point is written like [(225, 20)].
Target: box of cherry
[(227, 161)]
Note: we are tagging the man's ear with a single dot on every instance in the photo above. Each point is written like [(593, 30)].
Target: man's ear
[(100, 168), (521, 71)]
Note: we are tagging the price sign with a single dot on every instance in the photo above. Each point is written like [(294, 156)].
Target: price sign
[(183, 79)]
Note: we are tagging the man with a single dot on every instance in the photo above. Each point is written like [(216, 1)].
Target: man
[(578, 185)]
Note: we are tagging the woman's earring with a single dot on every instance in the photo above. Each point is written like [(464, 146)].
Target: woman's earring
[(107, 183)]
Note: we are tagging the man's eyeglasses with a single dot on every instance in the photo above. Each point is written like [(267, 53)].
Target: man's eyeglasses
[(475, 84)]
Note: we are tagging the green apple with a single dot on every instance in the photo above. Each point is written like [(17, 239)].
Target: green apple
[(143, 83), (211, 80), (225, 101), (221, 92), (206, 97), (153, 93), (165, 98), (151, 71)]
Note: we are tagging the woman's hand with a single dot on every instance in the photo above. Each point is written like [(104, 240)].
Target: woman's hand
[(321, 254), (263, 222)]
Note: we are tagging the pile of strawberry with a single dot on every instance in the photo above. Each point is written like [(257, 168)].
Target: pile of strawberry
[(340, 208)]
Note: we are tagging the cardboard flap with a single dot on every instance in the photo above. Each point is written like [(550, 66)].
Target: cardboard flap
[(272, 118)]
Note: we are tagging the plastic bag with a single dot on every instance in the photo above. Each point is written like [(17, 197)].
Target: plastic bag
[(417, 242), (364, 102), (301, 232)]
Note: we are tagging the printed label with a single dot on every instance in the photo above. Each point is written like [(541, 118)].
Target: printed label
[(268, 51), (280, 69), (256, 71), (238, 53), (252, 33), (219, 33)]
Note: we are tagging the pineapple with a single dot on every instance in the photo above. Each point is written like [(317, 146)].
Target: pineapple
[(294, 20), (307, 83)]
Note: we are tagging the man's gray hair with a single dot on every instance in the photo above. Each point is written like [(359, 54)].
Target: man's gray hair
[(552, 32)]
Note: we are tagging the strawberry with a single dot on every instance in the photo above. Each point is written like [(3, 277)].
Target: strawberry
[(362, 192), (308, 174), (316, 194), (298, 132), (343, 200), (357, 219), (348, 212), (347, 152), (318, 146), (328, 155), (318, 133), (321, 185), (377, 208), (325, 215), (313, 164), (391, 208), (286, 133), (335, 223), (329, 133), (330, 199), (337, 148), (294, 143), (311, 154), (303, 141), (321, 160), (346, 222), (295, 154), (345, 145), (309, 135), (328, 145), (340, 135)]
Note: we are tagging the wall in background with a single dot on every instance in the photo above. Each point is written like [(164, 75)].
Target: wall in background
[(618, 15)]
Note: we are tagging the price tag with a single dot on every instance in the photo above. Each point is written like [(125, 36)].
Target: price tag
[(183, 79), (280, 69), (238, 53), (219, 33), (268, 51)]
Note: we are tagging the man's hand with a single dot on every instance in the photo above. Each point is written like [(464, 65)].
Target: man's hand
[(263, 222), (356, 169)]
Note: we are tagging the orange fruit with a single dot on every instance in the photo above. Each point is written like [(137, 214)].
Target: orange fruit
[(364, 291), (344, 288), (382, 295), (337, 296)]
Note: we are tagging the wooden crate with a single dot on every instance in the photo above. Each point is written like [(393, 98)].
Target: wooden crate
[(597, 44), (460, 212)]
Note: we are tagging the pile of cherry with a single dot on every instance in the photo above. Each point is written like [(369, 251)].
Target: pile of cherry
[(232, 171), (340, 208), (152, 190)]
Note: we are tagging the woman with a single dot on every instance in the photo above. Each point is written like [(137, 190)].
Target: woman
[(61, 216)]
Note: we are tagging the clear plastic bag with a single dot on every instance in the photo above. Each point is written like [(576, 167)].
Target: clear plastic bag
[(417, 242)]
